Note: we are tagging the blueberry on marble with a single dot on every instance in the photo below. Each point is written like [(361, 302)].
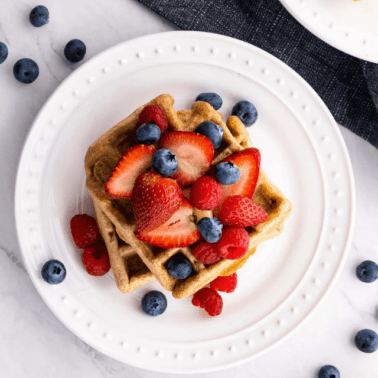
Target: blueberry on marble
[(53, 272), (179, 267), (39, 16), (75, 50), (3, 52), (367, 271), (210, 229), (148, 133), (154, 303), (212, 131), (328, 371), (366, 341), (164, 162), (212, 98), (246, 112), (227, 173), (26, 70)]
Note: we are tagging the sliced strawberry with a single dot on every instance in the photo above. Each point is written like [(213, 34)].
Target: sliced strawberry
[(121, 182), (155, 199), (194, 153), (179, 231), (154, 114)]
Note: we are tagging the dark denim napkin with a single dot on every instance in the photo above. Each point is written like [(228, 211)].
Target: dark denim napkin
[(347, 85)]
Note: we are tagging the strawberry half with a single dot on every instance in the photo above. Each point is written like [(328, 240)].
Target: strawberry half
[(121, 182), (154, 114), (194, 154), (155, 199), (179, 231)]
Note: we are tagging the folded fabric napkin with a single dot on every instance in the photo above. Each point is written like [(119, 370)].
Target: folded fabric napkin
[(347, 85)]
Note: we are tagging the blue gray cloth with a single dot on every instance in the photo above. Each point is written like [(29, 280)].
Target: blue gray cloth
[(347, 85)]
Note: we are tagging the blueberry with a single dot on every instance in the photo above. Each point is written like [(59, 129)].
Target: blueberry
[(26, 70), (366, 341), (164, 162), (367, 271), (246, 112), (39, 16), (154, 303), (328, 371), (212, 131), (227, 173), (212, 98), (54, 272), (179, 267), (75, 50), (3, 52), (210, 229), (148, 133)]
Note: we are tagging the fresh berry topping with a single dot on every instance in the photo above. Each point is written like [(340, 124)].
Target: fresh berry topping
[(154, 114), (248, 162), (206, 193), (179, 231), (246, 112), (96, 259), (212, 131), (367, 271), (148, 133), (39, 16), (155, 200), (53, 272), (366, 341), (212, 98), (210, 229), (241, 211), (209, 300), (227, 173), (194, 153), (3, 52), (121, 182), (84, 230), (226, 284), (26, 70), (75, 50), (164, 162), (234, 243), (206, 253), (179, 267), (154, 303), (328, 371)]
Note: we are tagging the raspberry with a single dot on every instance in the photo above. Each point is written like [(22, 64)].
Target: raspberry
[(206, 253), (206, 193), (96, 259), (209, 300), (241, 211), (226, 284), (154, 114), (84, 230), (234, 243)]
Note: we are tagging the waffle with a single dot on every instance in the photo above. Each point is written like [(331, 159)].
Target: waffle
[(104, 154)]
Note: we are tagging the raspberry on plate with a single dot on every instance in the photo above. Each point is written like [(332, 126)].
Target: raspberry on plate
[(209, 300), (154, 114), (96, 260), (234, 243), (84, 230), (206, 253), (226, 284), (206, 193)]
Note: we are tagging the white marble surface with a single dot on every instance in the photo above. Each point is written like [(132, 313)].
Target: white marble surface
[(33, 342)]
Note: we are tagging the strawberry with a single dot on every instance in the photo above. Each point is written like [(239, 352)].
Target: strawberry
[(96, 259), (248, 162), (241, 211), (155, 199), (154, 114), (121, 182), (84, 230), (194, 154), (179, 231)]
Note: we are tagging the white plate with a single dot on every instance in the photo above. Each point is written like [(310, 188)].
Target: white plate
[(349, 26), (302, 151)]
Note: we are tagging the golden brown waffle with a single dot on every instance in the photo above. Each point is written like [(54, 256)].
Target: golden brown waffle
[(102, 157)]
